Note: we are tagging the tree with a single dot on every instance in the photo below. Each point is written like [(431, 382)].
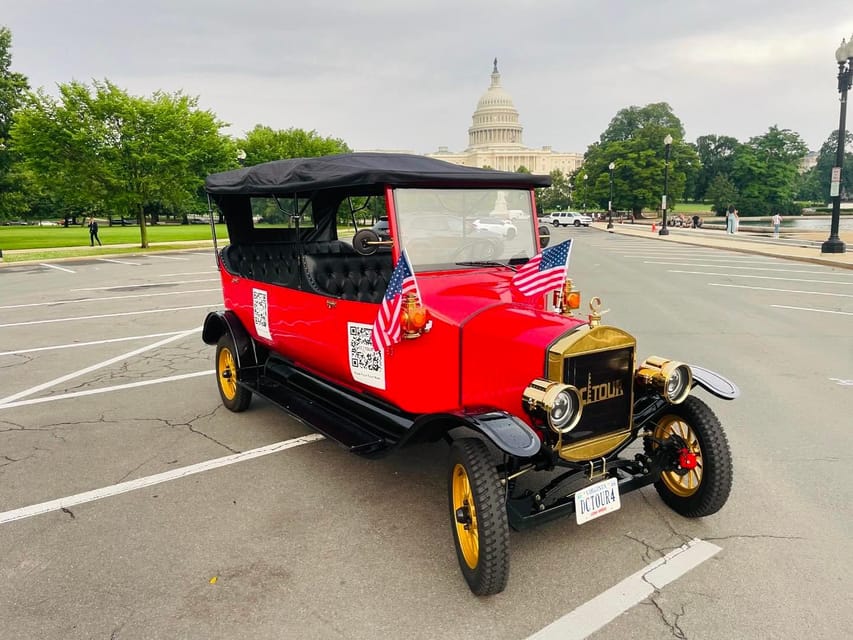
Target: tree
[(12, 90), (102, 150), (826, 161), (556, 197), (716, 155), (263, 144), (765, 171), (634, 142), (722, 193)]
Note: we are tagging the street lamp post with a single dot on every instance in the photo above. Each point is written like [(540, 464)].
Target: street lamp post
[(667, 145), (844, 57), (585, 178), (611, 166)]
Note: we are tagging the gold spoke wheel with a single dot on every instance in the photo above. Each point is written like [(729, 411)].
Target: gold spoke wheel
[(683, 484), (463, 502), (227, 371)]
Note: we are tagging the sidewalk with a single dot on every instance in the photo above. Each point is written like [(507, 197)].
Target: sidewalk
[(86, 252), (804, 247)]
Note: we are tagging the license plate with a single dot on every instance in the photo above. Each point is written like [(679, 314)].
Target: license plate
[(597, 500)]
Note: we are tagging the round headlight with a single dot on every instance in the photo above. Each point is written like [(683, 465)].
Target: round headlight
[(565, 410), (677, 385)]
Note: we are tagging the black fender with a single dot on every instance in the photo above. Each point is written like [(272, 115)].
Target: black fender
[(714, 383), (508, 433), (218, 323)]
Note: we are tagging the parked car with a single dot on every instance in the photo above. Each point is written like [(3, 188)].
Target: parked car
[(566, 218), (502, 226), (382, 229), (539, 404)]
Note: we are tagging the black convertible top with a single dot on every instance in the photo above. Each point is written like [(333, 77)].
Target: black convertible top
[(299, 175)]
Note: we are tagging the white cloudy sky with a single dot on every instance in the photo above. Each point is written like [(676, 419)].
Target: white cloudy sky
[(396, 74)]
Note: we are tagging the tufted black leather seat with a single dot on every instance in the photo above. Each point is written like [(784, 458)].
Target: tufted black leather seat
[(330, 268), (350, 277)]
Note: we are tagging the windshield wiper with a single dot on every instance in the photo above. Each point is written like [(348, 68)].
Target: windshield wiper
[(485, 263)]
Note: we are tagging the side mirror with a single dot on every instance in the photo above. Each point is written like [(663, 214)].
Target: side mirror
[(544, 236)]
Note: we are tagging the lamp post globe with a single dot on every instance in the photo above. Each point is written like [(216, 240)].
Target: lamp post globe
[(585, 178), (844, 58), (667, 145), (611, 166)]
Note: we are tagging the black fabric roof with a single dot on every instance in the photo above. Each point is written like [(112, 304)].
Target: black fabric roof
[(356, 169)]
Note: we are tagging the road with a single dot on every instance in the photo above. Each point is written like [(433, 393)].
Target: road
[(164, 530)]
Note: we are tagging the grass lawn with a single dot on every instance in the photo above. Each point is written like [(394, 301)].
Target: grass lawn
[(694, 207), (14, 237)]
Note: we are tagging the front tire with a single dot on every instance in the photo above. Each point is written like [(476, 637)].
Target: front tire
[(234, 396), (556, 223), (703, 490), (478, 517)]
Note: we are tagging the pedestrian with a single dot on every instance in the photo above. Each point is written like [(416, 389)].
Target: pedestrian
[(93, 233), (777, 222), (736, 221), (730, 219), (695, 221)]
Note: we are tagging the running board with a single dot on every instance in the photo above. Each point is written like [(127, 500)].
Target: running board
[(340, 414)]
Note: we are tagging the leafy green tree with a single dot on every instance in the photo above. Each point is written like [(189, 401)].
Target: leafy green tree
[(826, 161), (634, 141), (809, 187), (765, 170), (102, 150), (722, 193), (263, 144), (716, 157), (522, 169), (557, 196), (12, 90)]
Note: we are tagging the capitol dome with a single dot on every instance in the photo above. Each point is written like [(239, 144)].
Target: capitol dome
[(495, 121)]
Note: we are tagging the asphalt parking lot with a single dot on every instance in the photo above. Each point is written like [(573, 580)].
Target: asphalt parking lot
[(133, 505)]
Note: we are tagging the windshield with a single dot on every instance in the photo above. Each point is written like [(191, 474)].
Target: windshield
[(441, 228)]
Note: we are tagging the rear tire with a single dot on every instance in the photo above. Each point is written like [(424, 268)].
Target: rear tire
[(577, 223), (234, 396), (478, 517), (703, 490), (556, 223)]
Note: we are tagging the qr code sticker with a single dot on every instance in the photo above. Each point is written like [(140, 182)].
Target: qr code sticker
[(366, 364), (260, 310)]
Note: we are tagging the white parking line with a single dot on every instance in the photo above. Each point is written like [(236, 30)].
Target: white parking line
[(840, 313), (811, 293), (137, 295), (594, 614), (147, 284), (690, 264), (54, 266), (99, 390), (71, 345), (140, 483), (108, 315), (743, 275), (188, 273), (135, 264), (95, 367)]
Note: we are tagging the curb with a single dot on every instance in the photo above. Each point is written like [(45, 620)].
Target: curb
[(842, 261)]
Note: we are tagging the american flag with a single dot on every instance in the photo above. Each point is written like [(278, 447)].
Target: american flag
[(544, 272), (386, 327)]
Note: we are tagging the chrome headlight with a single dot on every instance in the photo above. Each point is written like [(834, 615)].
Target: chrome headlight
[(559, 404), (672, 379)]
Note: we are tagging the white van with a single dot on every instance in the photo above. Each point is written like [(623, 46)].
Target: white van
[(566, 218)]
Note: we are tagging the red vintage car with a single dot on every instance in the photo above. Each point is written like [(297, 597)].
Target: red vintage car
[(437, 333)]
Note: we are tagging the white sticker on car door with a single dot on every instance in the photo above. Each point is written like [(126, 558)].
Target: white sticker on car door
[(366, 365), (260, 313)]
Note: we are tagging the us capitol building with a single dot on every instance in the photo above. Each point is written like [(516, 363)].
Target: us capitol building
[(494, 139)]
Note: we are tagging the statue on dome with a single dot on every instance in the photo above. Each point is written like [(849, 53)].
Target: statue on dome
[(495, 70)]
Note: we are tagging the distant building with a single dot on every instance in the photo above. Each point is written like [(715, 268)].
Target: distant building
[(808, 161), (494, 139)]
